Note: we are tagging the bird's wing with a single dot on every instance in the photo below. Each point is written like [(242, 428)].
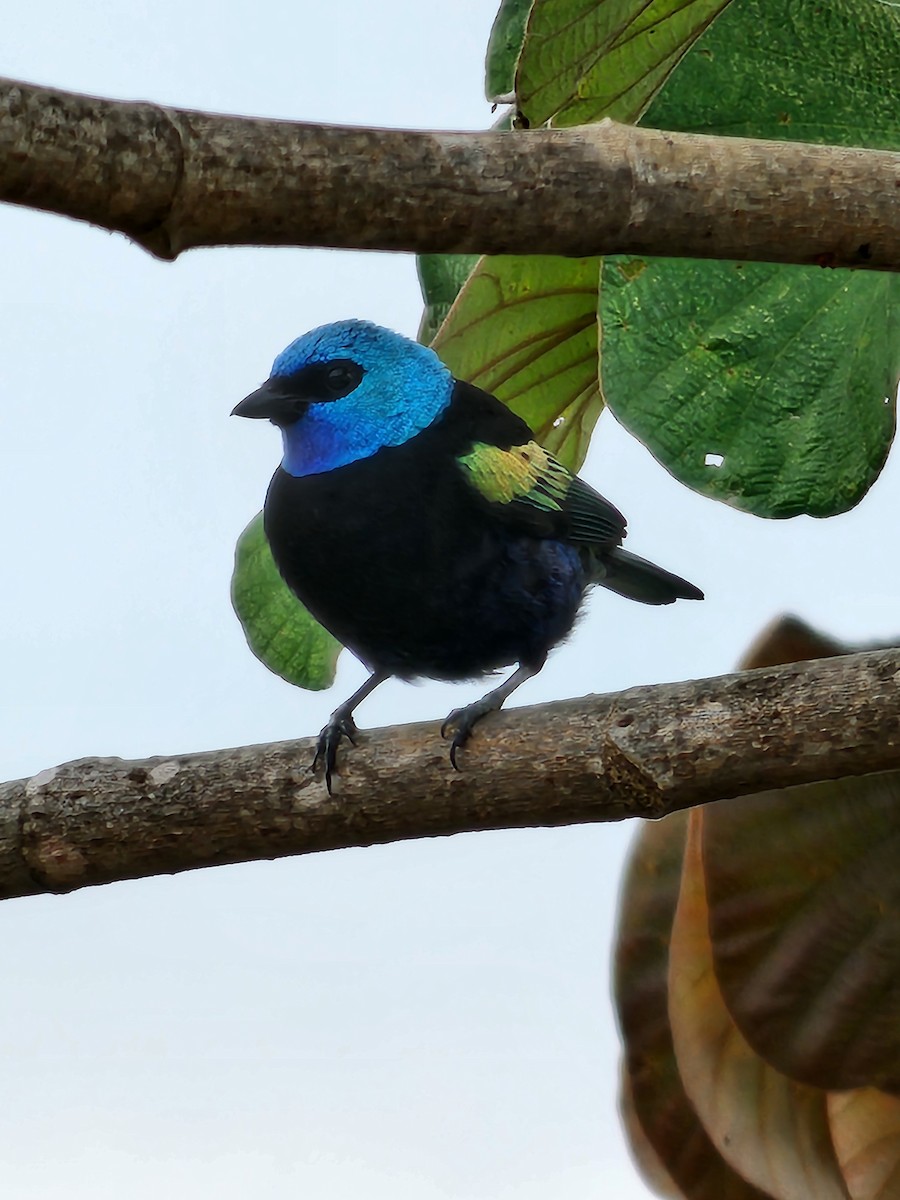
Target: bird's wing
[(527, 486), (520, 482)]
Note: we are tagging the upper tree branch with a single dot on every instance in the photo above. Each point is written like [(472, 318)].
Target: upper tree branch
[(644, 752), (172, 179)]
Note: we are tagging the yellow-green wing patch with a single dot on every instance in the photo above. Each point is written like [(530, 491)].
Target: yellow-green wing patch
[(529, 485), (525, 472)]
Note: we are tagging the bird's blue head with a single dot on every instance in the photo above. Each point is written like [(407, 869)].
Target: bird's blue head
[(343, 391)]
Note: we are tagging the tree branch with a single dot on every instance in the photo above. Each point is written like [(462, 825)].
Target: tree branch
[(171, 179), (644, 752)]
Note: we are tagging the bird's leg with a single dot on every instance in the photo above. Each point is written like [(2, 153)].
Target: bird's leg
[(341, 725), (463, 720)]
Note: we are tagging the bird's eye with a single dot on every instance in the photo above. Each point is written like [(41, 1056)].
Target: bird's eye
[(340, 378)]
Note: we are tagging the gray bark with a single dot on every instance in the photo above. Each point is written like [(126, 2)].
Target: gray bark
[(644, 752), (171, 179)]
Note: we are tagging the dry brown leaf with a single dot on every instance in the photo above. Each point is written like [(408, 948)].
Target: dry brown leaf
[(865, 1128), (772, 1130), (651, 1088)]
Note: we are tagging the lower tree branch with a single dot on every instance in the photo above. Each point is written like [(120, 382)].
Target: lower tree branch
[(644, 752), (172, 179)]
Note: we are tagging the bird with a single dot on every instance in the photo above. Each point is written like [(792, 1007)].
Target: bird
[(420, 522)]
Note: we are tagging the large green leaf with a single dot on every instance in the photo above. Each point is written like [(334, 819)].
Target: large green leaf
[(519, 327), (802, 71), (586, 59), (504, 47), (768, 387), (525, 329), (279, 630), (785, 376), (440, 277)]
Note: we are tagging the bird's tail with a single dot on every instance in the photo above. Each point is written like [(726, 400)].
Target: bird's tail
[(638, 579)]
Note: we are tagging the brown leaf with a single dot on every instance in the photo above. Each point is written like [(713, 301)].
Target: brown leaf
[(772, 1130), (804, 897), (652, 1093), (788, 639), (645, 1157), (865, 1127)]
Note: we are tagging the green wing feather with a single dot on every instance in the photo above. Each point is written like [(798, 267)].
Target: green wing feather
[(526, 485)]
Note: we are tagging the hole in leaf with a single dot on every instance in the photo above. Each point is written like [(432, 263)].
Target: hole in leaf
[(559, 421), (714, 460)]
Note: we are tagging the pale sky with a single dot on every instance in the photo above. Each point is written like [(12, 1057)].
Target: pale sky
[(422, 1021)]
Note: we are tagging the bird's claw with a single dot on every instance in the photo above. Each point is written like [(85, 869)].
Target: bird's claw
[(340, 725), (462, 721), (460, 736)]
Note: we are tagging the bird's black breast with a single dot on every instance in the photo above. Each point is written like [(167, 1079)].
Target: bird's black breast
[(396, 555)]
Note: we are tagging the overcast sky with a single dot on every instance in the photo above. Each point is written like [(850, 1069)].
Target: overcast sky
[(407, 1022)]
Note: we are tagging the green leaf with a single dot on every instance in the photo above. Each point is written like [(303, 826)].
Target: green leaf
[(587, 59), (279, 630), (787, 375), (804, 72), (440, 277), (525, 329), (504, 45), (770, 388), (546, 373)]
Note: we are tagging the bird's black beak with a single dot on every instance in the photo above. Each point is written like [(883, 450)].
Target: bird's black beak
[(274, 401)]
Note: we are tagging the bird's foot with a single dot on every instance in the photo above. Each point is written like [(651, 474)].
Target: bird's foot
[(340, 725), (463, 720)]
